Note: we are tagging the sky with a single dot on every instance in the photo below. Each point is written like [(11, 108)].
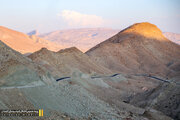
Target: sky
[(50, 15)]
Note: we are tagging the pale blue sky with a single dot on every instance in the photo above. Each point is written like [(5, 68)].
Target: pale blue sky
[(50, 15)]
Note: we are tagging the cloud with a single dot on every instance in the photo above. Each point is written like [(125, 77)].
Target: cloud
[(76, 19)]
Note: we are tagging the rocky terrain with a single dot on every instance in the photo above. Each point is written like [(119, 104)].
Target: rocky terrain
[(18, 70), (133, 75), (65, 61), (24, 43), (28, 85)]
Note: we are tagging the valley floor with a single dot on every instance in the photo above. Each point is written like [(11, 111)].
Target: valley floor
[(84, 97)]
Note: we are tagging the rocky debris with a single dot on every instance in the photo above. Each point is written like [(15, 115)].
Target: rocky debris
[(129, 108), (165, 98), (156, 115)]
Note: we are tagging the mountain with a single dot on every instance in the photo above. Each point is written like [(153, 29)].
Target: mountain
[(27, 85), (86, 38), (24, 43), (34, 32), (69, 84), (83, 39), (173, 37), (74, 68), (140, 48), (66, 61), (18, 70)]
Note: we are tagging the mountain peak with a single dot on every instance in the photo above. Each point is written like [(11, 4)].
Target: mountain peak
[(71, 49), (144, 29), (44, 49), (139, 32)]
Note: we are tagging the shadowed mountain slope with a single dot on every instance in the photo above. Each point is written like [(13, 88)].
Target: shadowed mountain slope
[(18, 70), (66, 61), (27, 85)]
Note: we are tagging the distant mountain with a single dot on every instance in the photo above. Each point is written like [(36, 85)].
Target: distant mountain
[(83, 39), (24, 43), (140, 48), (34, 32), (86, 38), (173, 37)]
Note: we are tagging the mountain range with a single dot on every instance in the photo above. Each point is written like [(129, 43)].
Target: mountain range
[(132, 75), (83, 39), (86, 38)]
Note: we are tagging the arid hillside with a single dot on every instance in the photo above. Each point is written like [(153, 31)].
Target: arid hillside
[(66, 61), (17, 70), (25, 84), (24, 43), (140, 48)]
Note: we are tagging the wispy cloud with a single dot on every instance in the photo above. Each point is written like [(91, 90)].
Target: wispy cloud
[(76, 19)]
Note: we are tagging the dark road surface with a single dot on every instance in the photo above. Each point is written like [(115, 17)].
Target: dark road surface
[(116, 74), (62, 78)]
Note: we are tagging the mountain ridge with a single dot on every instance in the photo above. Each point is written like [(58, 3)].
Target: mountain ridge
[(83, 38), (86, 38), (66, 61)]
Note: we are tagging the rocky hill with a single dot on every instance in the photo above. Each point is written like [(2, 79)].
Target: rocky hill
[(17, 70), (140, 48), (66, 61)]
